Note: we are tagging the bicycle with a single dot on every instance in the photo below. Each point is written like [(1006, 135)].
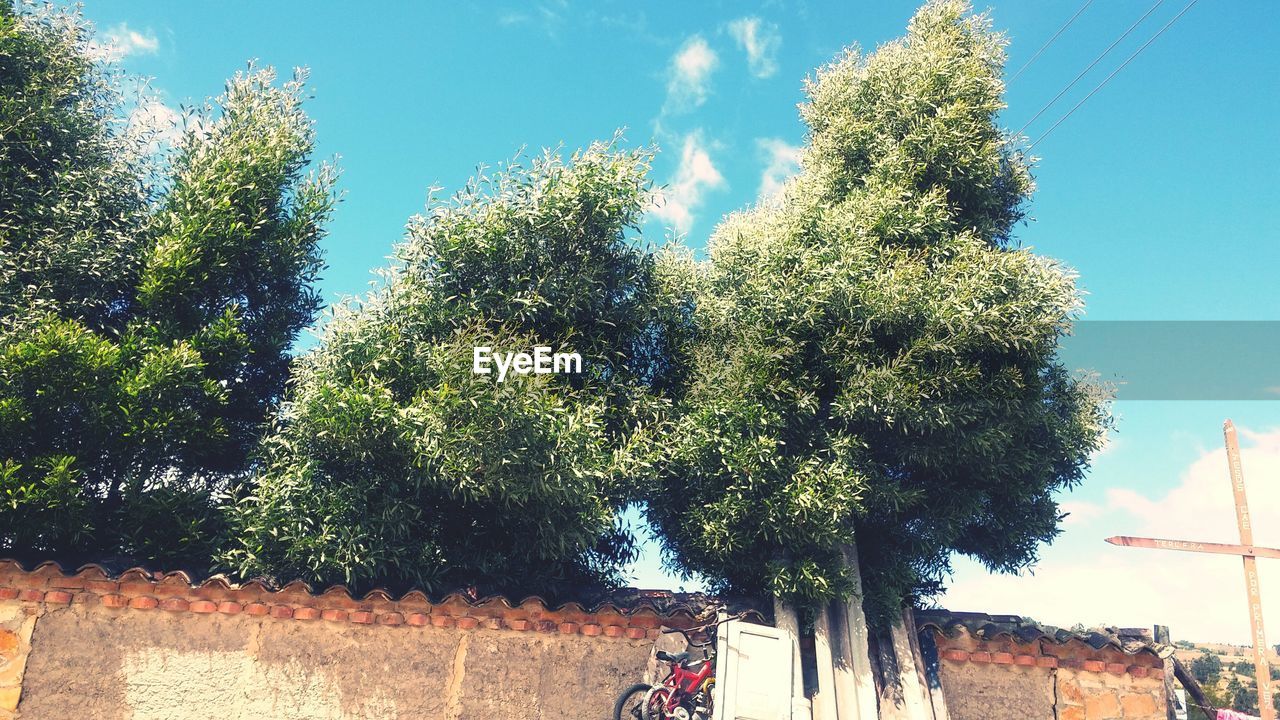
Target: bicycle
[(685, 693)]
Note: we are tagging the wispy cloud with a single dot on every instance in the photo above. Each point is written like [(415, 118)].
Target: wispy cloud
[(781, 162), (546, 16), (696, 174), (760, 41), (689, 76), (120, 41)]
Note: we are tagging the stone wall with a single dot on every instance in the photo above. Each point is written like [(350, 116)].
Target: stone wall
[(1008, 678), (144, 647), (16, 623)]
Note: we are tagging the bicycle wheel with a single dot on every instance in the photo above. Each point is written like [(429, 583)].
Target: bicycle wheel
[(630, 705), (654, 706)]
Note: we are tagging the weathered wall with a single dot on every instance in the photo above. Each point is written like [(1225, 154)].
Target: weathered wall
[(113, 665), (981, 691), (984, 678), (156, 647), (16, 623)]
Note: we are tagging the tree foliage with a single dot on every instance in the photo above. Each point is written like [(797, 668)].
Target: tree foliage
[(876, 359), (144, 327), (394, 463)]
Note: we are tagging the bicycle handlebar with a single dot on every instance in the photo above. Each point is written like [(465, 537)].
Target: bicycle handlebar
[(705, 626)]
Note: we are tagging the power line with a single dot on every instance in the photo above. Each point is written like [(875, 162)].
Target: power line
[(1113, 74), (1084, 72), (1050, 40)]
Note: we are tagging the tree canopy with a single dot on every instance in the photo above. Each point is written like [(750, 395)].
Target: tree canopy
[(393, 462), (868, 358), (876, 359), (147, 305)]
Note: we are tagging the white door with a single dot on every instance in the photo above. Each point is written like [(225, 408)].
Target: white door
[(753, 673)]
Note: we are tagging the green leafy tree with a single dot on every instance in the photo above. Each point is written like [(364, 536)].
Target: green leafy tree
[(395, 463), (877, 359), (1207, 668), (144, 324)]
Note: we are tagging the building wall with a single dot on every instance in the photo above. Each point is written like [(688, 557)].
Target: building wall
[(147, 649), (1043, 680)]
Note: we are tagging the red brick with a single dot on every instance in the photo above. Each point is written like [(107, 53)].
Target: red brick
[(306, 613), (592, 629), (61, 597), (980, 657), (175, 605), (1025, 660), (569, 628), (8, 593), (519, 624), (395, 618), (1116, 668), (613, 631), (1139, 671), (334, 615), (115, 601), (417, 619), (1002, 658), (468, 623), (256, 609), (143, 602), (1094, 665), (102, 586), (442, 621), (1047, 662), (635, 633), (204, 607), (1070, 662), (31, 595), (282, 612), (363, 617), (229, 607)]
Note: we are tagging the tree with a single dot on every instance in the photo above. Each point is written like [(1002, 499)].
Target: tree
[(144, 326), (876, 358), (1207, 668), (394, 463)]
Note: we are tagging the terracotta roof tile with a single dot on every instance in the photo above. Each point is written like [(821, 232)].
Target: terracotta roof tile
[(634, 608), (1026, 632)]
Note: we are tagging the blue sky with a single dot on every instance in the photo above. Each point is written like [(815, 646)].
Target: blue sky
[(1161, 191)]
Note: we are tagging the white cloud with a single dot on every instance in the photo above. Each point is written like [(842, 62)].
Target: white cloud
[(1080, 511), (695, 175), (688, 78), (159, 126), (760, 41), (1201, 597), (546, 16), (121, 41), (782, 161)]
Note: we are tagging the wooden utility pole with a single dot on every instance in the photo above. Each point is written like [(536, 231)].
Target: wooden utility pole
[(1245, 550)]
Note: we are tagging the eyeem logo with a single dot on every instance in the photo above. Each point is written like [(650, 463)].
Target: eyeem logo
[(541, 362)]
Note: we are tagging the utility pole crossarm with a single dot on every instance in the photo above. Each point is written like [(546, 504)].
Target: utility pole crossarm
[(1193, 546)]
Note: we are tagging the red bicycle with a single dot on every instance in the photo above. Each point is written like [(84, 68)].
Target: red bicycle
[(685, 693)]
